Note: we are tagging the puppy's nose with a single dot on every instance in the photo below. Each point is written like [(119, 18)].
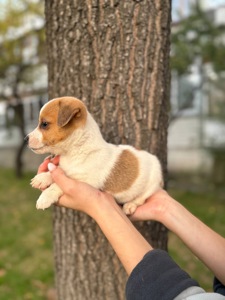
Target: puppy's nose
[(26, 139)]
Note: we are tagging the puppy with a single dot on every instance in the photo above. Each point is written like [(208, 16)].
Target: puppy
[(67, 129)]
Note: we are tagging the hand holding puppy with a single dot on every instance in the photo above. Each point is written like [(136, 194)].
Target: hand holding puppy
[(81, 196), (78, 195)]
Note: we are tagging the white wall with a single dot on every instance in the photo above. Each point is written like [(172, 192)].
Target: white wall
[(185, 151)]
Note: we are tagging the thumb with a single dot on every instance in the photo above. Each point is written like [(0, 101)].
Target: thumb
[(76, 194), (58, 176), (66, 184), (51, 167)]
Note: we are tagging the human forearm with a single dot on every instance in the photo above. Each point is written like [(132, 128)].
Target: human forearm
[(206, 244), (127, 242)]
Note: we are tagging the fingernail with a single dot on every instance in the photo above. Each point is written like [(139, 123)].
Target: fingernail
[(51, 167)]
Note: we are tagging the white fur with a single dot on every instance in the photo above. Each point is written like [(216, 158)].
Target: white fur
[(87, 157)]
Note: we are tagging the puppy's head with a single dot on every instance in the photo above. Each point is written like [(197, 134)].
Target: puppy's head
[(57, 120)]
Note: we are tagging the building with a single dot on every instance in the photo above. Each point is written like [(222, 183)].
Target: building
[(197, 130)]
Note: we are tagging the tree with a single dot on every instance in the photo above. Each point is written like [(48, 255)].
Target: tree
[(22, 43), (198, 40), (198, 36), (114, 55)]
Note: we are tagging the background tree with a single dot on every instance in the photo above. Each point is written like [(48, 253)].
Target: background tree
[(22, 41), (114, 55), (197, 36), (198, 41)]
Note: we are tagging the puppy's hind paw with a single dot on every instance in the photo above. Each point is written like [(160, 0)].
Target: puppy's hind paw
[(129, 208)]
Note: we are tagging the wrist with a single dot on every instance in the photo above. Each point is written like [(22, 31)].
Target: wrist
[(101, 206), (174, 215), (160, 207)]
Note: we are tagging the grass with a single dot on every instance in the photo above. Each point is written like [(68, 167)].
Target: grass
[(26, 258), (209, 207)]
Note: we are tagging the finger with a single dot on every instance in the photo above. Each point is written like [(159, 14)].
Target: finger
[(44, 166), (65, 201), (60, 178), (55, 160), (135, 216), (71, 187)]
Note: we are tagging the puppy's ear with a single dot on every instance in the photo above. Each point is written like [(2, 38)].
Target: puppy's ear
[(67, 113)]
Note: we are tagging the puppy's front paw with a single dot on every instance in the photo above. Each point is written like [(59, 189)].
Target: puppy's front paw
[(49, 196), (44, 202), (41, 181), (129, 208)]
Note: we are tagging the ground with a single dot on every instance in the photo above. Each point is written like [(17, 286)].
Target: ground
[(26, 255)]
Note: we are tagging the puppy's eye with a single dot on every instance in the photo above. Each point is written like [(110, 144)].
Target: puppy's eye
[(44, 125)]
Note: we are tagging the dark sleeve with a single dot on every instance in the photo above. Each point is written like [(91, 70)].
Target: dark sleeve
[(218, 287), (156, 277)]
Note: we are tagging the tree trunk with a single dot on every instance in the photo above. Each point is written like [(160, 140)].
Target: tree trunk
[(114, 55)]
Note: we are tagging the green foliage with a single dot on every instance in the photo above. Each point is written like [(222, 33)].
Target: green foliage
[(16, 34), (197, 36)]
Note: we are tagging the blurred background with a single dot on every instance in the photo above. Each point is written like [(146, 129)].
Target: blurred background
[(196, 137)]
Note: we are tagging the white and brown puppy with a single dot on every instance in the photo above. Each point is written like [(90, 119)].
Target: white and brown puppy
[(67, 129)]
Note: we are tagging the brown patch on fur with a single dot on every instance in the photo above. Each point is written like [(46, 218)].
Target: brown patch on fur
[(127, 163), (64, 115), (71, 109)]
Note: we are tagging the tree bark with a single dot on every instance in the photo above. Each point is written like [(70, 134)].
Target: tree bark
[(114, 55)]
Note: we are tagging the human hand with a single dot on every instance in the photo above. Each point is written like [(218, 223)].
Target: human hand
[(44, 166), (78, 195), (154, 207), (128, 243), (43, 178)]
